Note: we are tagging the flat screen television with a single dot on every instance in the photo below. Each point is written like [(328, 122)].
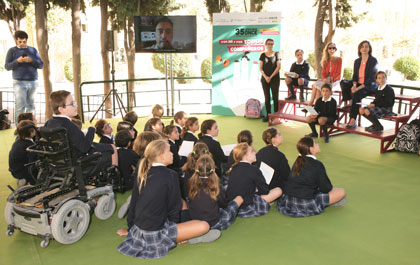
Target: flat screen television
[(165, 34)]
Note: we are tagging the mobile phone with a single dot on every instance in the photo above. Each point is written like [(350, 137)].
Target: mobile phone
[(24, 55)]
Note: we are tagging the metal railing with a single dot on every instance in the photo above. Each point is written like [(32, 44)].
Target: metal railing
[(90, 103)]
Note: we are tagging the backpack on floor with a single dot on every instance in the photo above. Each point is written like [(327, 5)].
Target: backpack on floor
[(253, 108), (4, 120), (408, 138)]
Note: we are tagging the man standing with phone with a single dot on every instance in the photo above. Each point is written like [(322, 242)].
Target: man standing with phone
[(24, 61)]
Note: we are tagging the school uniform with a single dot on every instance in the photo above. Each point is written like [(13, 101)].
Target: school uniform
[(217, 152), (306, 194), (326, 108), (190, 136), (19, 157), (176, 160), (218, 214), (302, 69), (179, 141), (384, 102), (83, 143), (126, 159), (153, 214), (276, 160), (244, 179), (184, 187), (107, 139)]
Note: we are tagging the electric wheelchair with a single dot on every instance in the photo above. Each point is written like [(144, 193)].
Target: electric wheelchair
[(68, 190)]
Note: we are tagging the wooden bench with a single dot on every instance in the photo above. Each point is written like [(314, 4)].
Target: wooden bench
[(288, 108)]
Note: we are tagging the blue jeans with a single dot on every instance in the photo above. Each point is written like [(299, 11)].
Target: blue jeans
[(24, 96)]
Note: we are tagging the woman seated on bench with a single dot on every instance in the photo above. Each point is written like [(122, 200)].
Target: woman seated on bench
[(363, 83), (331, 71), (381, 106)]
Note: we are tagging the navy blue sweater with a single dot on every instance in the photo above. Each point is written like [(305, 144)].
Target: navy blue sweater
[(23, 71), (370, 72)]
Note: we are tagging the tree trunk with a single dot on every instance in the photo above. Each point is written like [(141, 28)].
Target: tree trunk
[(129, 46), (105, 54), (319, 26), (76, 51), (252, 7), (246, 10), (43, 47)]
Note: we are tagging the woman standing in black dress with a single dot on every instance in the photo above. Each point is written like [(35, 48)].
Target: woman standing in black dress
[(270, 78)]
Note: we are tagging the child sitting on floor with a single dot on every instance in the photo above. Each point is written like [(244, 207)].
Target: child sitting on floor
[(104, 131), (308, 190), (127, 158)]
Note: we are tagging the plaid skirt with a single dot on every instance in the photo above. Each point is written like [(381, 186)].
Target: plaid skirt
[(149, 244), (296, 207), (258, 207), (380, 112), (227, 216)]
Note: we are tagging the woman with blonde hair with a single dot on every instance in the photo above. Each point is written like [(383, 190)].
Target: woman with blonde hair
[(331, 71)]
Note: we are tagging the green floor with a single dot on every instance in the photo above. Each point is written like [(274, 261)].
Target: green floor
[(380, 224)]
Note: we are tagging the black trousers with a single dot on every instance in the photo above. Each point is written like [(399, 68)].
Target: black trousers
[(357, 97), (274, 87)]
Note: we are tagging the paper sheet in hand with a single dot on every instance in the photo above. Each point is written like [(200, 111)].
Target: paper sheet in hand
[(228, 148), (186, 148), (267, 172), (364, 105), (311, 110), (291, 74)]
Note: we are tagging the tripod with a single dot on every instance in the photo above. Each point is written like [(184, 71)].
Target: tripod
[(113, 92)]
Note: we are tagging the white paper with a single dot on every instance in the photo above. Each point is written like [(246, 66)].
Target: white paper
[(228, 148), (311, 110), (267, 172), (186, 148), (362, 104), (291, 74)]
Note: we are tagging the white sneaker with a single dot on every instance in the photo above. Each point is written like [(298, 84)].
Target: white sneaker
[(122, 212), (210, 236)]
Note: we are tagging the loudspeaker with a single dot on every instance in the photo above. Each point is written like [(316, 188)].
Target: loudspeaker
[(111, 41)]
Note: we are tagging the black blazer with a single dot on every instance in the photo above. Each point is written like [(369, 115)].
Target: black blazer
[(301, 69), (126, 159), (18, 157), (216, 151), (176, 163), (106, 140), (190, 137), (370, 72), (384, 98), (326, 109), (278, 161)]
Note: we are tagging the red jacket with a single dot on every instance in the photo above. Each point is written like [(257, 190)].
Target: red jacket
[(335, 72)]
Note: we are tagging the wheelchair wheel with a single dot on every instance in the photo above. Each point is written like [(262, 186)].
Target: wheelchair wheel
[(71, 222), (105, 207), (8, 210)]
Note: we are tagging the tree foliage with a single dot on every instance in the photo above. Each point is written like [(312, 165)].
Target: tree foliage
[(181, 65), (13, 12), (216, 6), (409, 66), (206, 69), (339, 16)]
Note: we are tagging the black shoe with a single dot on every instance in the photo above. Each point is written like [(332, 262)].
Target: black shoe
[(347, 107), (312, 135), (292, 97), (327, 139), (369, 127), (376, 128), (301, 98), (265, 119)]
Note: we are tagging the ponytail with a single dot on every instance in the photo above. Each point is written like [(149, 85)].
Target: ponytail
[(153, 150), (189, 123), (199, 149), (239, 151), (303, 147), (205, 126), (204, 172)]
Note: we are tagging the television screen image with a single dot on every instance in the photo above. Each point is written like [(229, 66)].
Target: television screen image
[(165, 34)]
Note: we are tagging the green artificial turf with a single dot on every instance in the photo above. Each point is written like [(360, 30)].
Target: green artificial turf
[(380, 224)]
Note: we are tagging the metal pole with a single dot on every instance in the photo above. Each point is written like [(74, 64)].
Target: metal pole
[(166, 83), (172, 88)]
